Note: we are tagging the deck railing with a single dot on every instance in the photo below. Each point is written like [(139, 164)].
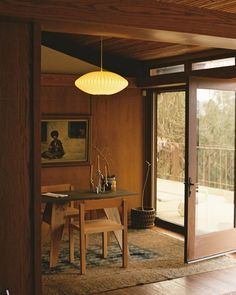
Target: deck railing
[(215, 165)]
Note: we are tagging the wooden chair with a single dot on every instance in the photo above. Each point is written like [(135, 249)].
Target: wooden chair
[(103, 226), (71, 210), (49, 217)]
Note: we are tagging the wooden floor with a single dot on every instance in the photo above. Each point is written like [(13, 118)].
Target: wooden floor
[(212, 283), (217, 282)]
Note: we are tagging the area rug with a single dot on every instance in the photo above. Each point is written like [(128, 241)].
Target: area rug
[(153, 257)]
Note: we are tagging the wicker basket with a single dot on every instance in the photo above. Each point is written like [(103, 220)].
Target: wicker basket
[(142, 218)]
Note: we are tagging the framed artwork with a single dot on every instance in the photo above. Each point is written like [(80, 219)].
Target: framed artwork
[(65, 140)]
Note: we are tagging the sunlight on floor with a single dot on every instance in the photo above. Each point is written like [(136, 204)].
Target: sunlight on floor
[(214, 207)]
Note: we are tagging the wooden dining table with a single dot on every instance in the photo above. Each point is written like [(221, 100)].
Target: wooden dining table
[(54, 215)]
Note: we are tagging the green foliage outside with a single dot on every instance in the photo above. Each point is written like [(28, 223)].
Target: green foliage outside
[(215, 142), (170, 135)]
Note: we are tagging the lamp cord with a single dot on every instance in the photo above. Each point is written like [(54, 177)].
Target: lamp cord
[(101, 53)]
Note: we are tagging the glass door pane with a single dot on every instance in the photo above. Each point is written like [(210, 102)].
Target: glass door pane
[(210, 185), (170, 156), (215, 160)]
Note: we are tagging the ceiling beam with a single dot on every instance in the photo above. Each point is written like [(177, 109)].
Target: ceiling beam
[(121, 65), (209, 54), (182, 78), (147, 20)]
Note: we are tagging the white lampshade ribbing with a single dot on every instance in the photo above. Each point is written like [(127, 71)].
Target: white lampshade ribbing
[(101, 82)]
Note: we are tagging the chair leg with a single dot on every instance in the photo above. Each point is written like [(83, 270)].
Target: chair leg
[(71, 244), (82, 240), (108, 238), (86, 241), (104, 244), (124, 248), (82, 254)]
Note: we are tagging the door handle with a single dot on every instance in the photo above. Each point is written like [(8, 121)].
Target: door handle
[(189, 183)]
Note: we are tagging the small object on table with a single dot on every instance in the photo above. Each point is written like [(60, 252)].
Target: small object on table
[(113, 185), (55, 195)]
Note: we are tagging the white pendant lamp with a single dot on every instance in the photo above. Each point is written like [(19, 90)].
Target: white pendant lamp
[(101, 82)]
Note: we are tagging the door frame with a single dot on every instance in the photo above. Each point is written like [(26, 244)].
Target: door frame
[(202, 246), (160, 222)]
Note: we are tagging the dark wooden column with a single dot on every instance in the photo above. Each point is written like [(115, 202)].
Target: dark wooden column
[(19, 164), (149, 151)]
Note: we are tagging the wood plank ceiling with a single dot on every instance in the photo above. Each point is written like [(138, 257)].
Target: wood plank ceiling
[(221, 5), (133, 49), (126, 55)]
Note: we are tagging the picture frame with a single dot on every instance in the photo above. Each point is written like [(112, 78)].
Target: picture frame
[(65, 140)]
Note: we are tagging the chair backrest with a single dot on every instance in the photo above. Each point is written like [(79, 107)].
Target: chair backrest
[(119, 203), (57, 188), (104, 203)]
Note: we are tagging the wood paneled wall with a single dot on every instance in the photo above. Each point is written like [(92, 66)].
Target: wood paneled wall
[(117, 128), (17, 170)]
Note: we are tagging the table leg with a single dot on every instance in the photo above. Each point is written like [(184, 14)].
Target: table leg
[(57, 226), (45, 230), (46, 222)]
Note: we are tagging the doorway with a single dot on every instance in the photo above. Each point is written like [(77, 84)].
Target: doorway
[(215, 150), (170, 157), (210, 184), (195, 165)]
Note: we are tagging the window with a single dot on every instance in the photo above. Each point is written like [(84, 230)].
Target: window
[(167, 70), (170, 160), (216, 63)]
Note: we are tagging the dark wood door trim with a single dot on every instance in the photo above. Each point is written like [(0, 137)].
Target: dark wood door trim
[(215, 243), (36, 160), (148, 146)]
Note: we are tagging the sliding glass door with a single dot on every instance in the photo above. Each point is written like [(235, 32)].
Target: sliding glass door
[(210, 185), (170, 156), (195, 165)]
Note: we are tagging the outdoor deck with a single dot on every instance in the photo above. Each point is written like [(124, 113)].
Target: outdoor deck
[(214, 207)]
